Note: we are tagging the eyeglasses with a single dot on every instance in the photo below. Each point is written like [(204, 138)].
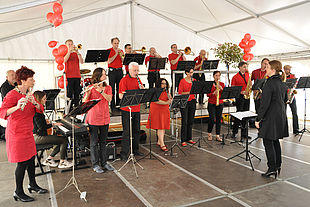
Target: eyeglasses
[(163, 83)]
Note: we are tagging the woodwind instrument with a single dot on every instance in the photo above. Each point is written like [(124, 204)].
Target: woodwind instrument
[(139, 82), (217, 93), (248, 88), (29, 93), (290, 94), (88, 89)]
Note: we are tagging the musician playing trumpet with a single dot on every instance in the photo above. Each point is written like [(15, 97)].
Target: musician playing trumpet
[(153, 74), (292, 103), (203, 55), (174, 58), (215, 106)]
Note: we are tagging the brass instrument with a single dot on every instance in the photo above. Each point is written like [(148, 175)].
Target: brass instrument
[(188, 51), (78, 47), (248, 88), (217, 93), (121, 53), (142, 50)]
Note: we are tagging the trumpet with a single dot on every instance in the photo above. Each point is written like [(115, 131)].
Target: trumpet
[(187, 51), (121, 53), (78, 47), (142, 50)]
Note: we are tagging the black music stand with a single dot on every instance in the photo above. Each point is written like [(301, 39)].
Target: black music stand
[(304, 82), (201, 87), (210, 64), (178, 102), (245, 116), (80, 109), (51, 95), (157, 64), (182, 66), (139, 58), (97, 56)]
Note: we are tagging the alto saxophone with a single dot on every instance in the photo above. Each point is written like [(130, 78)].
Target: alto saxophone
[(248, 88)]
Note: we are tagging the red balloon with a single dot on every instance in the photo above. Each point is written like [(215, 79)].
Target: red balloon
[(251, 56), (244, 41), (242, 45), (57, 19), (57, 8), (62, 50), (246, 57), (59, 60), (252, 43), (247, 36), (55, 52), (50, 17), (247, 50), (61, 82), (60, 67), (52, 44)]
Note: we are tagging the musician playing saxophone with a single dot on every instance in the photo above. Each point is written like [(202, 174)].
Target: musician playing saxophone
[(198, 67), (292, 104), (215, 106)]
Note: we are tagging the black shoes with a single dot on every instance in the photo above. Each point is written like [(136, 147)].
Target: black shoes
[(270, 173), (37, 189), (108, 167), (138, 153), (22, 197)]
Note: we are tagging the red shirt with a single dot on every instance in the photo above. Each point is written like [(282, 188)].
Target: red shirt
[(72, 66), (173, 56), (290, 76), (99, 115), (185, 86), (127, 68), (212, 97), (128, 83), (147, 59), (258, 74), (198, 61), (238, 80), (117, 63)]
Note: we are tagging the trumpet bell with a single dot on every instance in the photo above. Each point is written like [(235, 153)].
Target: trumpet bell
[(79, 46)]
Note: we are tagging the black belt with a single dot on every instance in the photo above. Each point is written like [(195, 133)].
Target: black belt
[(115, 68)]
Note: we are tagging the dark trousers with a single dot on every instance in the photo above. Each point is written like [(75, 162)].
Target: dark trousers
[(2, 133), (215, 112), (257, 104), (115, 76), (152, 77), (273, 153), (200, 78), (242, 104), (188, 114), (60, 142), (126, 131), (20, 173), (98, 135), (295, 116), (178, 78), (74, 90)]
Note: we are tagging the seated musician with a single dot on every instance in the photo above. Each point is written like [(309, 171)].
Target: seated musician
[(41, 137), (215, 106)]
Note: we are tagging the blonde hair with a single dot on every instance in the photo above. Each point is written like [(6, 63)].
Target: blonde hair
[(277, 66), (287, 67)]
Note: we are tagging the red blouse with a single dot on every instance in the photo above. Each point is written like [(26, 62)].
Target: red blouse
[(185, 86), (212, 97)]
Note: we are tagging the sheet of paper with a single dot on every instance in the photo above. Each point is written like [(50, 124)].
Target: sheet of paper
[(243, 114)]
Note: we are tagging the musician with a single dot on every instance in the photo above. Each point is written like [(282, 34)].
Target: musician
[(153, 74), (198, 66), (293, 106), (98, 119), (20, 145), (128, 50), (130, 82), (115, 64), (41, 136), (257, 74), (271, 120), (215, 109), (9, 84), (72, 60), (159, 116), (174, 58), (187, 113), (242, 104)]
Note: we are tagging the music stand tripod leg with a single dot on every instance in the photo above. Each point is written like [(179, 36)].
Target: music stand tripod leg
[(176, 144)]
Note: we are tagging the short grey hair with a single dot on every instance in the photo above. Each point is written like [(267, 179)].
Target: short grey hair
[(9, 71), (133, 64)]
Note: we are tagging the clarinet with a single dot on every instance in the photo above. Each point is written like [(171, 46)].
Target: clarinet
[(139, 82)]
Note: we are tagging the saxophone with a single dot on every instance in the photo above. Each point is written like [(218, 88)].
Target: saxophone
[(290, 94), (248, 88), (217, 93)]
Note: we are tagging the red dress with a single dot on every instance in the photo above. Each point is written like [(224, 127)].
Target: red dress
[(20, 145), (159, 114)]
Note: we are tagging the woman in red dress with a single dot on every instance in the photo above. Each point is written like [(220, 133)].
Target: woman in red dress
[(159, 116), (19, 107), (98, 119)]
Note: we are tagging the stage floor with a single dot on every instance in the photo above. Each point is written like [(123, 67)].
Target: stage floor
[(202, 177)]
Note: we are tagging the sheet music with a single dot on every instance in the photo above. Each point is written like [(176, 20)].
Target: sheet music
[(243, 114)]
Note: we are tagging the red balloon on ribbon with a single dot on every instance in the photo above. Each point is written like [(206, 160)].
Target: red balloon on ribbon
[(50, 17), (62, 50), (57, 8), (59, 60), (57, 19), (52, 44), (244, 41), (55, 52), (60, 67), (251, 56), (246, 57), (247, 50), (242, 45), (252, 43), (61, 82), (247, 36)]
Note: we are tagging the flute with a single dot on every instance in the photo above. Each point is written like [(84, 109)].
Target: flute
[(88, 89), (27, 99)]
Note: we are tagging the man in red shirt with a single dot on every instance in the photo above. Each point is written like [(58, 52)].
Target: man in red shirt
[(130, 82), (115, 64), (256, 75), (153, 74), (72, 68), (293, 106), (200, 76), (174, 58), (128, 50), (242, 104)]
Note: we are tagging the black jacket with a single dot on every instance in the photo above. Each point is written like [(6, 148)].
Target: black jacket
[(5, 88), (39, 125), (272, 110)]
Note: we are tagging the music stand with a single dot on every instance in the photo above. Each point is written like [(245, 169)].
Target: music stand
[(245, 116), (201, 87), (157, 64), (304, 82), (97, 56), (132, 98), (178, 102), (210, 64), (181, 67), (51, 95), (139, 58), (80, 109)]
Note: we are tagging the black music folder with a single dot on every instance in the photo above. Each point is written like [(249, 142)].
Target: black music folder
[(210, 64), (138, 58), (157, 63), (188, 64), (97, 56)]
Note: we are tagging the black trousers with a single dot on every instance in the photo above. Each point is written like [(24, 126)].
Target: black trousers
[(115, 76), (215, 112), (20, 173), (200, 78), (293, 107), (98, 135), (273, 153), (74, 89), (178, 78), (242, 104), (188, 114), (126, 131), (152, 77)]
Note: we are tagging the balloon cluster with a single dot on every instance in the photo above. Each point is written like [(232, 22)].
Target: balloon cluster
[(246, 44), (61, 82), (56, 17)]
